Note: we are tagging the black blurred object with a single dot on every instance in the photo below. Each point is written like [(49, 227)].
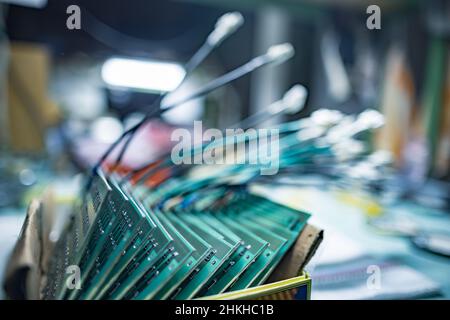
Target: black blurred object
[(125, 102)]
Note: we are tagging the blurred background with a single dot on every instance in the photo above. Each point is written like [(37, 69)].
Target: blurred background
[(67, 93)]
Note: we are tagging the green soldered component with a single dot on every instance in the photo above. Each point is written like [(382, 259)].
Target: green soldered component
[(106, 246), (277, 246), (99, 232), (222, 251), (235, 265), (76, 229), (132, 221), (258, 249), (94, 200), (137, 224), (88, 259), (219, 227), (98, 190), (149, 276), (143, 241), (193, 283), (293, 219), (202, 251), (226, 274), (146, 259), (105, 264), (147, 246), (279, 219), (56, 274), (89, 216), (276, 227), (180, 254), (277, 216), (112, 242)]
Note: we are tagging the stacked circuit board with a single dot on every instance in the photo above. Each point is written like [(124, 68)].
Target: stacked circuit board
[(126, 248)]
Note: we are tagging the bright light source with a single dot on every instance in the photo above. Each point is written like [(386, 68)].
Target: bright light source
[(106, 129), (149, 75), (28, 3)]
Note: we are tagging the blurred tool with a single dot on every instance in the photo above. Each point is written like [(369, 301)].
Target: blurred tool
[(225, 26), (275, 54), (292, 102)]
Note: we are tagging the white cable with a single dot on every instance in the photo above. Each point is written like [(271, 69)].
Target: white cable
[(280, 53), (292, 102), (225, 26)]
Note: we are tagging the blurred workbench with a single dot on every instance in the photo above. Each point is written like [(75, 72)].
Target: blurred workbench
[(348, 235)]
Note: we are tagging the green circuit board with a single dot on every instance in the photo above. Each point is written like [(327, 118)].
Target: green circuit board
[(128, 248)]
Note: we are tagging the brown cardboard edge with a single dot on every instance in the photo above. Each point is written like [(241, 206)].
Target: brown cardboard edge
[(22, 273), (299, 255)]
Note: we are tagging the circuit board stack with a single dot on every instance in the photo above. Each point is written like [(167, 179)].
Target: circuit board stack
[(126, 249)]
